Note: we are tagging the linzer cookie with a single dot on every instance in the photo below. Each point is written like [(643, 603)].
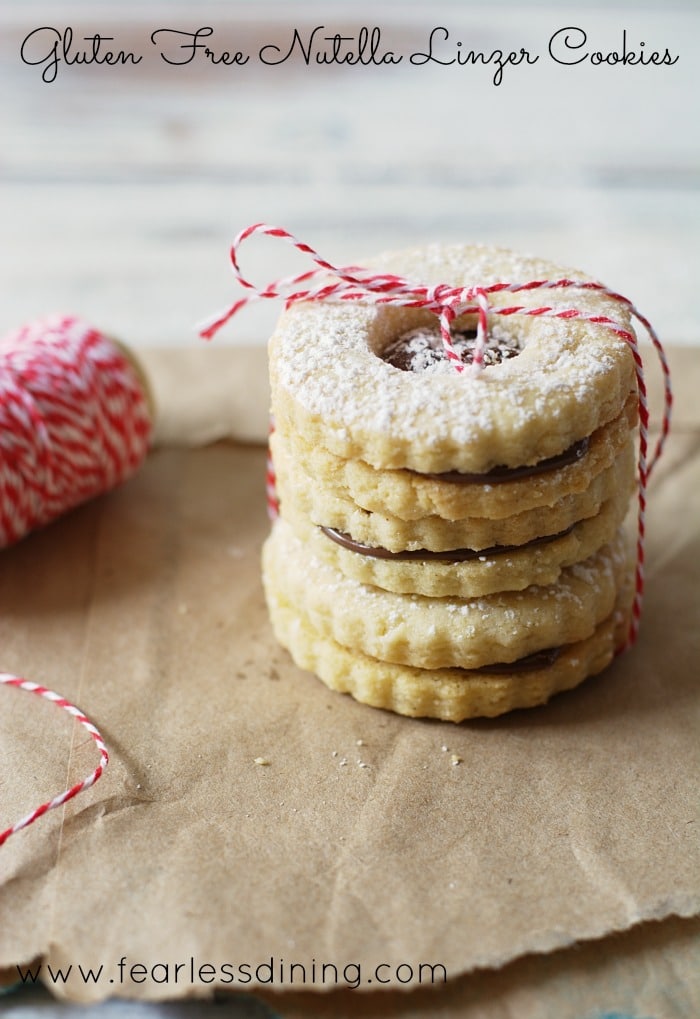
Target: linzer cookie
[(449, 540), (409, 495), (332, 386), (314, 496), (434, 633), (464, 572), (451, 694)]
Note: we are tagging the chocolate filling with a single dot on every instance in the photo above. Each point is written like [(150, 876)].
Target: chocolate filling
[(452, 555), (498, 475), (538, 660), (420, 349)]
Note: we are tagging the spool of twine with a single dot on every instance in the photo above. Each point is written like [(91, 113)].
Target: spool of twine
[(75, 420)]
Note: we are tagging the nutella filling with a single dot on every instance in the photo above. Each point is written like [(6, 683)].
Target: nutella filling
[(421, 349), (500, 474), (452, 555), (538, 660)]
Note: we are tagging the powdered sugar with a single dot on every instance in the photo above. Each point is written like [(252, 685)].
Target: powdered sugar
[(326, 358)]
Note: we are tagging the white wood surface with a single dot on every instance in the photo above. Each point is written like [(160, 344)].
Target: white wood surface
[(122, 187)]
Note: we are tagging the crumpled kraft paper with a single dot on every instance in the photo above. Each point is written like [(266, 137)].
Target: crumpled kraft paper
[(208, 392), (236, 825)]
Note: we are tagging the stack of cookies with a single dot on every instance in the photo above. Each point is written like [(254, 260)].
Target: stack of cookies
[(450, 544)]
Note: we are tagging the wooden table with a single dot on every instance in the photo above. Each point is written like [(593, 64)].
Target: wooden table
[(121, 187)]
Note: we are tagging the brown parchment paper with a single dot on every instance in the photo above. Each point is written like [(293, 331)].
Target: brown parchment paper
[(560, 824)]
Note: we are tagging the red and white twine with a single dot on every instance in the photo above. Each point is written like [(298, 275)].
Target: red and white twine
[(354, 283), (74, 422), (79, 787), (273, 506)]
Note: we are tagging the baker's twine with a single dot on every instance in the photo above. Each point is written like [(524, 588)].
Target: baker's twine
[(74, 422), (327, 282), (24, 684)]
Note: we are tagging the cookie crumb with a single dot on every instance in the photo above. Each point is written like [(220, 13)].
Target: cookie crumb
[(455, 759), (264, 761), (334, 753), (359, 742)]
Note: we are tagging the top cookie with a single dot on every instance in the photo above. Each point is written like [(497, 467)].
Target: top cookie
[(551, 383)]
